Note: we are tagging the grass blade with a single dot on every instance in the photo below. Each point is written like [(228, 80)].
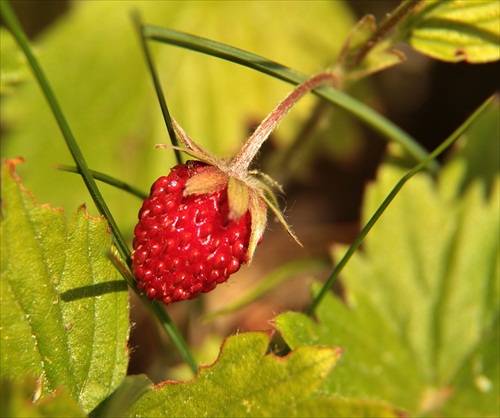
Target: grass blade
[(108, 180), (157, 84)]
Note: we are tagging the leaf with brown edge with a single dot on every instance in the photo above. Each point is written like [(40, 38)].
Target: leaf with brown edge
[(245, 381)]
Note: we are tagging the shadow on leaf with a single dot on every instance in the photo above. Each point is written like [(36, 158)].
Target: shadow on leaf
[(94, 290)]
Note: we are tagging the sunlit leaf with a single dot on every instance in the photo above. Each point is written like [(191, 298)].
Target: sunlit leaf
[(64, 313), (245, 381), (457, 30)]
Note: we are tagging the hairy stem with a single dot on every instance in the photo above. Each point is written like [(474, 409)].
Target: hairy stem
[(242, 161), (354, 107)]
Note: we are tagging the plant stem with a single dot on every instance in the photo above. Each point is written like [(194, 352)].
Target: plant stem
[(390, 197), (247, 153), (175, 336)]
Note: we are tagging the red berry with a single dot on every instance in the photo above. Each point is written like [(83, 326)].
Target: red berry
[(185, 245)]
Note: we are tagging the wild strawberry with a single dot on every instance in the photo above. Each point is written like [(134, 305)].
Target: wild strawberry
[(186, 245), (205, 219)]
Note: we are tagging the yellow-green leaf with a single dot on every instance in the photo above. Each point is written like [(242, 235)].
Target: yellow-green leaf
[(419, 317), (457, 30), (245, 381)]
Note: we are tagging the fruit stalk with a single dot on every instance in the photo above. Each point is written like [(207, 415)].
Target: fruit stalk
[(247, 153)]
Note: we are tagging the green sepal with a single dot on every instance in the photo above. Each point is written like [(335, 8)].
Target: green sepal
[(258, 212), (238, 196), (208, 181)]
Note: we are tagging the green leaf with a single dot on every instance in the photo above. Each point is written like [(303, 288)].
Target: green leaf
[(421, 308), (18, 401), (245, 381), (64, 307), (457, 30)]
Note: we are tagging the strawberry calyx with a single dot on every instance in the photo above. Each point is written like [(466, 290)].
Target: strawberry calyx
[(247, 191)]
